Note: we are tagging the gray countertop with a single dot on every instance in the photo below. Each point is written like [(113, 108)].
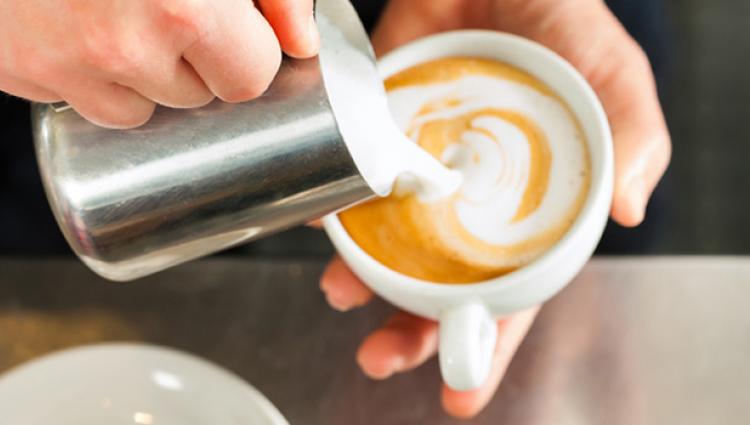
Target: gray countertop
[(662, 340)]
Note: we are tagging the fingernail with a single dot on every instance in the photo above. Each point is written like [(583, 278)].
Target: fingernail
[(313, 34)]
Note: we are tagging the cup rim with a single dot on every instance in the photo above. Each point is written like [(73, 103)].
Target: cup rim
[(600, 187)]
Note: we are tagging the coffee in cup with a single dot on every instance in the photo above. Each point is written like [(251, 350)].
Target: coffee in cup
[(524, 161), (467, 314)]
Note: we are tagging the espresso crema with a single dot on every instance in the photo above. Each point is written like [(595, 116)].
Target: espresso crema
[(525, 167)]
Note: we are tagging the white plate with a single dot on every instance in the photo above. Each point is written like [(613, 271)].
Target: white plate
[(130, 384)]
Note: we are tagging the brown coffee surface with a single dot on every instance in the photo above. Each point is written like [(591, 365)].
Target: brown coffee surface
[(427, 240)]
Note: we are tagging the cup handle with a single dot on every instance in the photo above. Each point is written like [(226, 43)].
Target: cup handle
[(468, 334)]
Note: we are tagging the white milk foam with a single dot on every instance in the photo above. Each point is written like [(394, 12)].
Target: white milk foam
[(419, 172), (493, 187), (356, 94)]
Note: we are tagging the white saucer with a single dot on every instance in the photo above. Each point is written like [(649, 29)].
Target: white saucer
[(129, 384)]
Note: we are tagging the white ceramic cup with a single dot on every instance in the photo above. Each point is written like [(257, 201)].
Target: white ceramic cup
[(468, 313)]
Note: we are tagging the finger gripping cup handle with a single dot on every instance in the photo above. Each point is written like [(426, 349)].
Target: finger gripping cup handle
[(467, 340)]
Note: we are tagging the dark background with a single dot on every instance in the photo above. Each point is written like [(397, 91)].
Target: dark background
[(700, 51)]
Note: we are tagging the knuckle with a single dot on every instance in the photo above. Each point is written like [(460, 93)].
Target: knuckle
[(664, 148), (188, 17), (639, 54), (254, 87), (637, 57), (112, 55)]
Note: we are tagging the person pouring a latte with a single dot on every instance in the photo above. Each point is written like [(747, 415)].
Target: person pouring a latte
[(113, 61)]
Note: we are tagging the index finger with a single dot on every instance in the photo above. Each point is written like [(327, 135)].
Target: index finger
[(236, 52)]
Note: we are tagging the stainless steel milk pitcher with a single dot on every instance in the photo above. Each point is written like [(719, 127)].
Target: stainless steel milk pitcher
[(193, 182)]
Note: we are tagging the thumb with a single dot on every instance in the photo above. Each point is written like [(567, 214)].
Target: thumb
[(625, 84), (596, 43), (642, 151)]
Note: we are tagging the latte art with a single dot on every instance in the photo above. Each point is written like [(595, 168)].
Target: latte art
[(525, 168)]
